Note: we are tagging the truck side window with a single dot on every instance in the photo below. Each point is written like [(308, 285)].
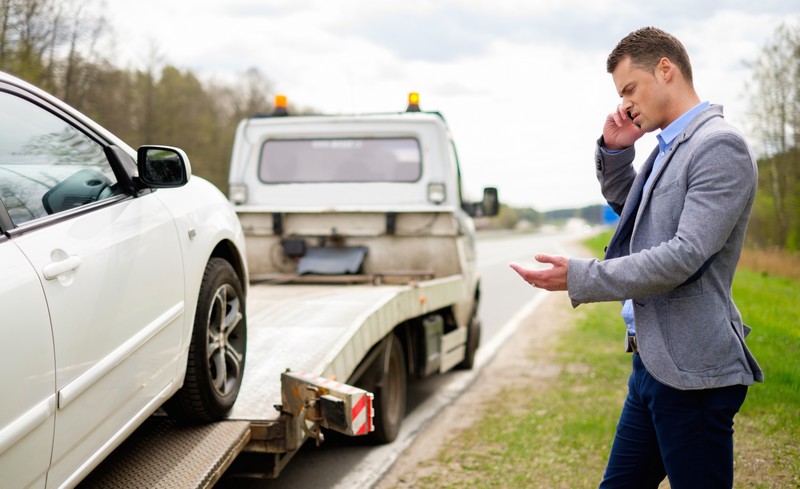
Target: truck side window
[(46, 164)]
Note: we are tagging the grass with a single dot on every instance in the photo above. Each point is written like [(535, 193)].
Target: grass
[(768, 448), (559, 435)]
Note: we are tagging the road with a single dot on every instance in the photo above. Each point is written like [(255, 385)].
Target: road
[(506, 299)]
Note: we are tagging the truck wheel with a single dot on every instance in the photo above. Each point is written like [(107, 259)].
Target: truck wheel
[(217, 350), (390, 392), (473, 341)]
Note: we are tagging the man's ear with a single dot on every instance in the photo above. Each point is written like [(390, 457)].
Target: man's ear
[(665, 69)]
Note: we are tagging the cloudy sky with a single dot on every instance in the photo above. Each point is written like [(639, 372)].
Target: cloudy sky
[(522, 83)]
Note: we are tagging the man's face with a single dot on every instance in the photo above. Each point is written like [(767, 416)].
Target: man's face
[(644, 95)]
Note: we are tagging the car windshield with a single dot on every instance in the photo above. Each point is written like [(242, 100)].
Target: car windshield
[(340, 160)]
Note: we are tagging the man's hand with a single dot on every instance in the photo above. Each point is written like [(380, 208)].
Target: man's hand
[(619, 132), (552, 279)]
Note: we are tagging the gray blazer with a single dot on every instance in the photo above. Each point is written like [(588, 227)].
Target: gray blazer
[(675, 251)]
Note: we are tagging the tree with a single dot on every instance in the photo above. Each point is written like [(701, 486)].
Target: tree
[(81, 32), (56, 45), (36, 34), (775, 114), (26, 36)]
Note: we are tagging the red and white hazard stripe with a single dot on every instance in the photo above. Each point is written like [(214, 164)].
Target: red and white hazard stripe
[(361, 414)]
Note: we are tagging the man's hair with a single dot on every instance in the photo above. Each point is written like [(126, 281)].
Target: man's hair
[(646, 47)]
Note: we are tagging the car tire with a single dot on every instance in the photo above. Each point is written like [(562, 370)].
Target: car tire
[(217, 351), (391, 389)]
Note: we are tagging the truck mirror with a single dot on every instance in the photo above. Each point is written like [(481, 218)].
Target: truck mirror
[(490, 205)]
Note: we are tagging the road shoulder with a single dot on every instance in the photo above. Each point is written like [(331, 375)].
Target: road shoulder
[(526, 358)]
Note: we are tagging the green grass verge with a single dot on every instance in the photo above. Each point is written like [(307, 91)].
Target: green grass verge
[(560, 435), (768, 426)]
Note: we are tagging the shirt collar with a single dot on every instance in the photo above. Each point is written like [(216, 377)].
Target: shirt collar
[(670, 132)]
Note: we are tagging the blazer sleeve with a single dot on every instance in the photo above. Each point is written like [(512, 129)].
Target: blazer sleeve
[(615, 173), (718, 182)]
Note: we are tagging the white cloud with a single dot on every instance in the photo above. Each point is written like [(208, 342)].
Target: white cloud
[(522, 83)]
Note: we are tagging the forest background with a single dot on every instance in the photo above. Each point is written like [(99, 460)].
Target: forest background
[(57, 45)]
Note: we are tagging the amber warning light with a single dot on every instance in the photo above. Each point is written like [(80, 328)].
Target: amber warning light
[(413, 102), (279, 107)]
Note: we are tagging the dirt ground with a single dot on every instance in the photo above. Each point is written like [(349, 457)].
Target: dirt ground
[(532, 340)]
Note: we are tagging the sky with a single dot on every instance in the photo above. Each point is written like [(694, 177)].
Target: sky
[(522, 83)]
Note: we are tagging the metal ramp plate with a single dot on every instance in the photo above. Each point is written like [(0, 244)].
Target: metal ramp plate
[(163, 453)]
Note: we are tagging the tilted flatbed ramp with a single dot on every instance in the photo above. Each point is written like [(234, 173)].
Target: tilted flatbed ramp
[(324, 330)]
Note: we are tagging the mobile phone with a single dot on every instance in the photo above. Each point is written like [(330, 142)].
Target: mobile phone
[(630, 118)]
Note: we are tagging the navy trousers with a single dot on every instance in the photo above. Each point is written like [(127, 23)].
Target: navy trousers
[(686, 436)]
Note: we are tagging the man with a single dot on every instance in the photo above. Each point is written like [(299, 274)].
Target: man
[(671, 260)]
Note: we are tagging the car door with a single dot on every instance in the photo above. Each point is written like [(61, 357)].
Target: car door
[(27, 373), (111, 270)]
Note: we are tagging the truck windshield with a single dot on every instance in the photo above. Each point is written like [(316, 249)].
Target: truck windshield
[(340, 160)]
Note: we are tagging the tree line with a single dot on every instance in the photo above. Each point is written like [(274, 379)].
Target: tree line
[(58, 46)]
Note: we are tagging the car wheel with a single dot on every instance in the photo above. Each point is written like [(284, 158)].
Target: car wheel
[(390, 392), (217, 350)]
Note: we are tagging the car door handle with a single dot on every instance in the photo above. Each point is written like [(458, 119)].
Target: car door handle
[(52, 270)]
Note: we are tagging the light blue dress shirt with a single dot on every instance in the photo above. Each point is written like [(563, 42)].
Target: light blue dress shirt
[(665, 140)]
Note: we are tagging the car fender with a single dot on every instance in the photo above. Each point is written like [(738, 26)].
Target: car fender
[(206, 223)]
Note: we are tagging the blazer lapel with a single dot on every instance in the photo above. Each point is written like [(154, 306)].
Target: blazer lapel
[(620, 242)]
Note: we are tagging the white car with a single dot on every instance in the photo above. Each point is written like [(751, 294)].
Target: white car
[(123, 289)]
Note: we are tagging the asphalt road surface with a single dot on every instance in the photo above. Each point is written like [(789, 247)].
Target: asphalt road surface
[(506, 299)]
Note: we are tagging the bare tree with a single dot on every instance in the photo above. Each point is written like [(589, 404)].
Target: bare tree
[(5, 26), (81, 32), (50, 43), (775, 115)]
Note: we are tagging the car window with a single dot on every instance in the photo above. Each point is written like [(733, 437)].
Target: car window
[(46, 164)]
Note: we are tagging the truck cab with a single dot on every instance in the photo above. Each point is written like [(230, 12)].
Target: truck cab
[(386, 187)]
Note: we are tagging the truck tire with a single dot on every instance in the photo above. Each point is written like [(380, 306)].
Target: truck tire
[(390, 391), (217, 350), (473, 341)]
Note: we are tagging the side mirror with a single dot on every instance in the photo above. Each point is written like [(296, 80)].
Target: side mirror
[(163, 166), (489, 206)]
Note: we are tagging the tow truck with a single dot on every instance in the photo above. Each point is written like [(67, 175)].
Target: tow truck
[(361, 251)]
